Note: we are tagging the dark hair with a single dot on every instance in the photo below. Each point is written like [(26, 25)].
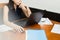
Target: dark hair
[(11, 4)]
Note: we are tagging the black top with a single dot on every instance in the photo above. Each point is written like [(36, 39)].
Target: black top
[(17, 14)]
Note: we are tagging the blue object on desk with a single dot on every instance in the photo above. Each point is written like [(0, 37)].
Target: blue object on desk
[(35, 35)]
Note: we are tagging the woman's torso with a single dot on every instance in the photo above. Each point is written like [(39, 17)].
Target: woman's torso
[(14, 15)]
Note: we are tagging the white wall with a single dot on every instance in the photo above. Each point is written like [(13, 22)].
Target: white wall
[(4, 1), (50, 5), (1, 16)]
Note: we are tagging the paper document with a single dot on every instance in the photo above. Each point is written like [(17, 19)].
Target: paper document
[(45, 21), (56, 28), (4, 28), (35, 35), (4, 1)]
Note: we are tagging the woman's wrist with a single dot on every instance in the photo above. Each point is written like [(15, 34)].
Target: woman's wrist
[(19, 3)]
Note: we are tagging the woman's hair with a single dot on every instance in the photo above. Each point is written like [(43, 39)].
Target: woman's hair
[(11, 4)]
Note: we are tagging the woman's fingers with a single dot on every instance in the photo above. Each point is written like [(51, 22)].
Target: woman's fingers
[(20, 29), (25, 9)]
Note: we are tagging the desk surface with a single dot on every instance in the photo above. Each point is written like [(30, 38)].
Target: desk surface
[(47, 28), (12, 35)]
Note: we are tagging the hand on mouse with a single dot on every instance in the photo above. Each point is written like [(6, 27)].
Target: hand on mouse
[(20, 29)]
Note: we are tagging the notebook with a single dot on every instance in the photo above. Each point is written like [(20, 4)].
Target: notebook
[(35, 35), (56, 29), (45, 21), (4, 28)]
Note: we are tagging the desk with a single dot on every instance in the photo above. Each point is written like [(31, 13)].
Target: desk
[(47, 28), (11, 35)]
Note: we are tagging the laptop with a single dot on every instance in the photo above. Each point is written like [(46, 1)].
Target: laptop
[(23, 21)]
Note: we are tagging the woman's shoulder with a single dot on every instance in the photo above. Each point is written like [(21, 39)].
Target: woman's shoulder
[(6, 7)]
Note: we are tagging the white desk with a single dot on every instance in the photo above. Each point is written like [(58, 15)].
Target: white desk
[(10, 35)]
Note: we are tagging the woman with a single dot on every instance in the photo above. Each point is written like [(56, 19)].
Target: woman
[(11, 8)]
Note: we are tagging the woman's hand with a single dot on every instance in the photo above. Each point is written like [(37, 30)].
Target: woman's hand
[(25, 9), (16, 27), (19, 29)]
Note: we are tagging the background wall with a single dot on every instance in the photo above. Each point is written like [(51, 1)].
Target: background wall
[(4, 1), (49, 5)]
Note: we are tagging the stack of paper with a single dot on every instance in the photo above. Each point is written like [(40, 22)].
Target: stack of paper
[(35, 35), (45, 21), (4, 28), (56, 28)]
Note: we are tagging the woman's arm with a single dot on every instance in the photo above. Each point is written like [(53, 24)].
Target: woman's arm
[(7, 22)]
